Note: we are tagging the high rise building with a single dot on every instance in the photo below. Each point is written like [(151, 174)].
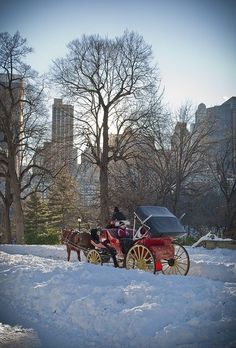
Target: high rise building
[(63, 132), (62, 122), (60, 151), (88, 175), (179, 136), (220, 120)]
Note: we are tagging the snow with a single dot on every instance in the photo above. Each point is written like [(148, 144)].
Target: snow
[(48, 302)]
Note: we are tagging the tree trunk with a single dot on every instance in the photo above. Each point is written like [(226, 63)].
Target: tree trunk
[(176, 195), (104, 208), (7, 205), (19, 219), (7, 225), (16, 194)]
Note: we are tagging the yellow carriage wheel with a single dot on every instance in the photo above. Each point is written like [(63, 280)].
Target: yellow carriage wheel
[(140, 257), (94, 257), (179, 264)]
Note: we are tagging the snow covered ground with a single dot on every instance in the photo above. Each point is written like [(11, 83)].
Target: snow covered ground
[(48, 302)]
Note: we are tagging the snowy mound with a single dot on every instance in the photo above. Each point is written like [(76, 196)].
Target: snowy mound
[(76, 304)]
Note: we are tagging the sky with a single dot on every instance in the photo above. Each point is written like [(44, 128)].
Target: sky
[(193, 41), (48, 302)]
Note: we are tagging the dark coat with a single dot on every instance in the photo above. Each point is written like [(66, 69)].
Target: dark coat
[(118, 215)]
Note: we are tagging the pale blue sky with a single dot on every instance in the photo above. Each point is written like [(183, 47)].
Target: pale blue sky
[(193, 41)]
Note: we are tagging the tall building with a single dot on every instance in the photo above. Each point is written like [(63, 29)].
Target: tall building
[(179, 136), (88, 175), (63, 132), (221, 123), (62, 122), (60, 151)]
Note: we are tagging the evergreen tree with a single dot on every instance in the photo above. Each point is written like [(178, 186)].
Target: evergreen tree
[(37, 229), (63, 202)]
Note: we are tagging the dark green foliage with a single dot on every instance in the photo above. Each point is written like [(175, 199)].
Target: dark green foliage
[(37, 229), (63, 202), (45, 219), (188, 240)]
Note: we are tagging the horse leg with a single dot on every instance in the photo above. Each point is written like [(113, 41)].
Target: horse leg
[(68, 252), (78, 254)]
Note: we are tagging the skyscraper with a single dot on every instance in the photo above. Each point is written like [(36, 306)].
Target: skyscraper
[(60, 151), (221, 122), (62, 122), (63, 133)]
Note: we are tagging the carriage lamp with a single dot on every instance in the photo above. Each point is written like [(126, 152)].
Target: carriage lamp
[(79, 221)]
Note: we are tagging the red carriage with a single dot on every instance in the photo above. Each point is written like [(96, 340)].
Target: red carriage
[(149, 246)]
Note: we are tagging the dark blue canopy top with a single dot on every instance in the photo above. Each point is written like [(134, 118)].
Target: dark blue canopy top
[(160, 221)]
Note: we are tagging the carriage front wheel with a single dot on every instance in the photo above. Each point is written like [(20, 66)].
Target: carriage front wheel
[(94, 257), (179, 264), (140, 257)]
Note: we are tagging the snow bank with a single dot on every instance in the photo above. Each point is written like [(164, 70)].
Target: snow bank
[(83, 305)]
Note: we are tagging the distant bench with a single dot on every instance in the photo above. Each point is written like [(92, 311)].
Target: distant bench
[(225, 244)]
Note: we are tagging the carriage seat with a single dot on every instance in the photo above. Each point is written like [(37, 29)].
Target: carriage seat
[(130, 231), (114, 232)]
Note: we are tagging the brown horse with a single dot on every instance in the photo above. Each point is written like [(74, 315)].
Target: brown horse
[(76, 241)]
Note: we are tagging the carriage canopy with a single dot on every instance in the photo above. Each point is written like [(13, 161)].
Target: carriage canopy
[(160, 221)]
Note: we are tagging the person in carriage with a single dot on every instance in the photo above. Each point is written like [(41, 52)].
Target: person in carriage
[(124, 237), (117, 222), (116, 217), (125, 242), (122, 232)]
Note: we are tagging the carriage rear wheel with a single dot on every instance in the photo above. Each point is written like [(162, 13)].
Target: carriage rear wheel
[(140, 257), (94, 257), (179, 264)]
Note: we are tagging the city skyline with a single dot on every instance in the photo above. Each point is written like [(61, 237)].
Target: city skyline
[(192, 41)]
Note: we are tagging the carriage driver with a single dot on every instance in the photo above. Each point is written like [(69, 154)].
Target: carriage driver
[(116, 217)]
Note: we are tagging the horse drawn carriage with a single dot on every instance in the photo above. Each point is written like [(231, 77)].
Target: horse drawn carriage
[(150, 245)]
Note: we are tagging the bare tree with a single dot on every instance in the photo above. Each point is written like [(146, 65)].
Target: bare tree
[(112, 81), (179, 156), (222, 168), (132, 184), (5, 195), (20, 111)]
